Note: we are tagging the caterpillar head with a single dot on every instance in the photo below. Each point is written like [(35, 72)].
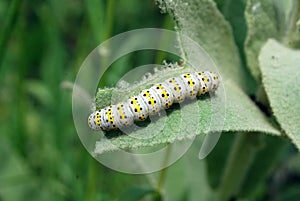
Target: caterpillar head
[(95, 121)]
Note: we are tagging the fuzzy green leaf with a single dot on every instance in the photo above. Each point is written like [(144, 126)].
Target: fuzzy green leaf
[(265, 19), (241, 115), (260, 18), (233, 12), (202, 21), (281, 78)]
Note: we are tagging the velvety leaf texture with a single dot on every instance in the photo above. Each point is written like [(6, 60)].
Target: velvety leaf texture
[(229, 109), (240, 115), (203, 22), (260, 18), (281, 78), (265, 19)]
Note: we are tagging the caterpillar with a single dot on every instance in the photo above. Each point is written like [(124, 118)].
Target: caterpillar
[(150, 101)]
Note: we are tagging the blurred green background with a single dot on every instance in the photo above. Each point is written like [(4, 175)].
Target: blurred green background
[(42, 46)]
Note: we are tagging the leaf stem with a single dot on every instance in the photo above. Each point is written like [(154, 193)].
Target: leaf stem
[(163, 172), (179, 36), (109, 18), (91, 177), (240, 159), (180, 43)]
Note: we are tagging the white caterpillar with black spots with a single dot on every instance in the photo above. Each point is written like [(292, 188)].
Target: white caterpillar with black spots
[(151, 101)]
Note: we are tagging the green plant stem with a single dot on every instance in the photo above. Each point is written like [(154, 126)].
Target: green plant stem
[(240, 159), (179, 37), (181, 46), (109, 18), (91, 184), (8, 27), (163, 172), (108, 31)]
